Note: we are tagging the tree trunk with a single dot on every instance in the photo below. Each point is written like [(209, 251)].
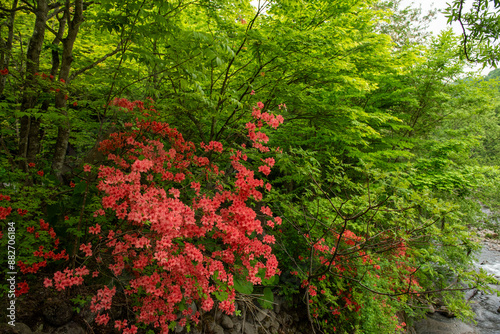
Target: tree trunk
[(29, 141), (63, 130), (6, 47)]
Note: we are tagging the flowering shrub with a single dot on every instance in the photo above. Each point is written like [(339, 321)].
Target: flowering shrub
[(183, 228), (344, 280), (355, 265), (39, 242)]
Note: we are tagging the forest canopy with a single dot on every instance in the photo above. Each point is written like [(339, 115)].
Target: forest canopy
[(169, 154)]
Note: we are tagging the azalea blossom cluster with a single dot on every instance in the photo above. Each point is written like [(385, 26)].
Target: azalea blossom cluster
[(184, 234), (5, 211), (34, 265), (49, 82), (350, 259)]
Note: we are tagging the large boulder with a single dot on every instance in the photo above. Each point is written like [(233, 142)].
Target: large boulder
[(438, 324)]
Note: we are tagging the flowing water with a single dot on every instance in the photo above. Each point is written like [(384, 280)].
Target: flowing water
[(486, 306)]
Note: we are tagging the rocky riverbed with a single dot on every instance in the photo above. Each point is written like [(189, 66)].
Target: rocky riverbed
[(486, 306)]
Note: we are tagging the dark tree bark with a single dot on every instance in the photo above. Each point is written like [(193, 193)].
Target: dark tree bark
[(6, 46), (63, 129), (57, 40), (29, 141)]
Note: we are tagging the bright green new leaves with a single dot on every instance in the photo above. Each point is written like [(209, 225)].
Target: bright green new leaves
[(479, 22)]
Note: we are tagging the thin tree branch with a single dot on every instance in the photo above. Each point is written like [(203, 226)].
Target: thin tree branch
[(96, 62)]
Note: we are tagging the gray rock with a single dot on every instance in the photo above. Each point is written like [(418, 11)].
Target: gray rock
[(39, 330), (267, 323), (218, 314), (261, 315), (57, 312), (438, 324), (179, 329), (275, 326), (285, 319), (237, 326), (19, 328), (69, 328), (193, 307), (226, 322), (277, 304), (271, 322), (88, 315), (8, 329), (249, 328), (216, 329), (23, 328)]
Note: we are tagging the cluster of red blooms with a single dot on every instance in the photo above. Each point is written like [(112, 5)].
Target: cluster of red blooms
[(5, 71), (164, 245), (127, 105), (46, 255), (22, 288), (348, 260), (44, 227), (67, 278), (4, 211), (54, 87)]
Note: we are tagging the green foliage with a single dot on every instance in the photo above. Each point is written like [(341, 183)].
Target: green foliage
[(480, 29), (79, 302), (385, 136)]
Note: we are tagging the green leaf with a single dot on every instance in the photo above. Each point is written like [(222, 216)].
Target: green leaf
[(244, 287), (268, 299), (271, 281)]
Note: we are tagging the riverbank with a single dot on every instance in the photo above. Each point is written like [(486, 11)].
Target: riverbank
[(485, 306)]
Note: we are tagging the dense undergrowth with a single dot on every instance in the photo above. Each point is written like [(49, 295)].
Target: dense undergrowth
[(313, 150)]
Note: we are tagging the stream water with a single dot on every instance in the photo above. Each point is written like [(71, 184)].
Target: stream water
[(486, 306)]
